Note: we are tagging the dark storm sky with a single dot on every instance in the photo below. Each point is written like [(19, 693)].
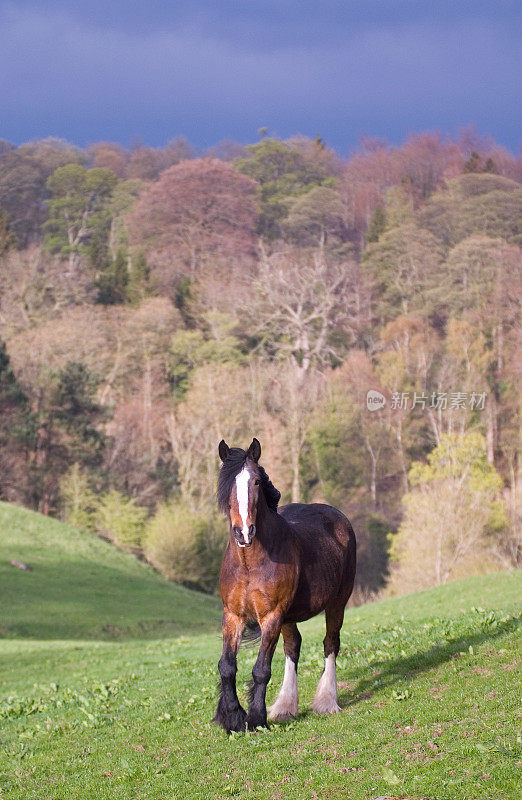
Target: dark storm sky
[(121, 70)]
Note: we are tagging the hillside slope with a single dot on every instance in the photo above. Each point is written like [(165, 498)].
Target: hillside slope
[(429, 688), (82, 587)]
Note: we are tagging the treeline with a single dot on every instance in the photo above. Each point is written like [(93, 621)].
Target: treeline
[(155, 300)]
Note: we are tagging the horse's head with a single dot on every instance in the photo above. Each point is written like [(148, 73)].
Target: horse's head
[(239, 484)]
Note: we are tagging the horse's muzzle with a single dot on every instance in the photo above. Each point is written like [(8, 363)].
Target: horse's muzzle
[(239, 537)]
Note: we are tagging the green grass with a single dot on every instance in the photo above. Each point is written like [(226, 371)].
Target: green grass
[(82, 587), (428, 684)]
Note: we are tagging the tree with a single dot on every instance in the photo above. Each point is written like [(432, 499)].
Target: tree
[(7, 237), (22, 189), (284, 171), (186, 546), (107, 155), (377, 225), (307, 309), (198, 213), (17, 434), (78, 198), (68, 430), (23, 174), (398, 207), (453, 515), (193, 348), (306, 313), (113, 281), (483, 280), (77, 499), (363, 182), (144, 163), (409, 348), (177, 150), (34, 290), (349, 461), (404, 264), (335, 462), (75, 410), (193, 425), (425, 159), (317, 219), (476, 164), (120, 519), (481, 204)]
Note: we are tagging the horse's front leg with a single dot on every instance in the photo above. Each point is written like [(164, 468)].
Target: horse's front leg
[(270, 630), (230, 715)]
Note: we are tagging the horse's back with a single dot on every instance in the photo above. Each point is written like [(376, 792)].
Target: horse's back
[(311, 519), (327, 545)]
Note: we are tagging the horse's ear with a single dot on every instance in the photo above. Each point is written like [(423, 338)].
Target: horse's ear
[(223, 450), (254, 451)]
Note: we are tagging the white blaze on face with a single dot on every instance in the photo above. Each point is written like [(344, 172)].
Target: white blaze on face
[(242, 481)]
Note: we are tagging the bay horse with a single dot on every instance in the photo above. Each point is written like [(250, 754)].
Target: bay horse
[(281, 566)]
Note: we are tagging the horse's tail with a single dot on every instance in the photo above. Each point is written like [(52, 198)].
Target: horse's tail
[(252, 633)]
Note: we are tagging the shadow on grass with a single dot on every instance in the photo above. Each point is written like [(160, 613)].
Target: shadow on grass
[(408, 667)]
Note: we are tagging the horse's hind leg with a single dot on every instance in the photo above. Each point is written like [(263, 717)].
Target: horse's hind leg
[(287, 702), (325, 700)]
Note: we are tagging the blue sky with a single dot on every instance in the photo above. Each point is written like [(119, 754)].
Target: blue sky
[(122, 70)]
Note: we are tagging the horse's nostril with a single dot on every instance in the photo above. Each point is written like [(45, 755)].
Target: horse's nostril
[(251, 531)]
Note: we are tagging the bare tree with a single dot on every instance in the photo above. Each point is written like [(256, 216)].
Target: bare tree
[(308, 312), (303, 301)]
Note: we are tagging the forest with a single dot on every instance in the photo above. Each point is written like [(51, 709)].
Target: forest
[(156, 300)]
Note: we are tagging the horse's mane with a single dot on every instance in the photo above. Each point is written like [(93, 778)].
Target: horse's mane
[(231, 468)]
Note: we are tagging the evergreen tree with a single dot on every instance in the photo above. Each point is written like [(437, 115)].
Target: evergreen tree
[(113, 281), (7, 237), (490, 166), (473, 164), (377, 225), (17, 433), (77, 414), (69, 431), (139, 279)]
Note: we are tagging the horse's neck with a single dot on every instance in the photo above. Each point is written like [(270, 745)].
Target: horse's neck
[(270, 527)]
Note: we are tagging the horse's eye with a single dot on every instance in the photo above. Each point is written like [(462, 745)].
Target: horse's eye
[(257, 483)]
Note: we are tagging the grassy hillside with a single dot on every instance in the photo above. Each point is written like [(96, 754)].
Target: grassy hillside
[(83, 587), (428, 684)]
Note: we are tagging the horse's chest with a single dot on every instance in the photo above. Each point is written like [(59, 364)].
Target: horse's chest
[(252, 597)]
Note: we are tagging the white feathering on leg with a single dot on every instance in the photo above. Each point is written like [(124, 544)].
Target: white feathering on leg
[(325, 700), (287, 701)]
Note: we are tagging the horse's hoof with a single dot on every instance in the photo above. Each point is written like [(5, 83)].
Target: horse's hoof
[(325, 705), (255, 721), (235, 720), (283, 711)]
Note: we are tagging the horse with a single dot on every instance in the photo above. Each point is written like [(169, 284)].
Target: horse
[(281, 566)]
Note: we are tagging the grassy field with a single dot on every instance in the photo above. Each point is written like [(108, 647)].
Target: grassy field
[(108, 683)]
